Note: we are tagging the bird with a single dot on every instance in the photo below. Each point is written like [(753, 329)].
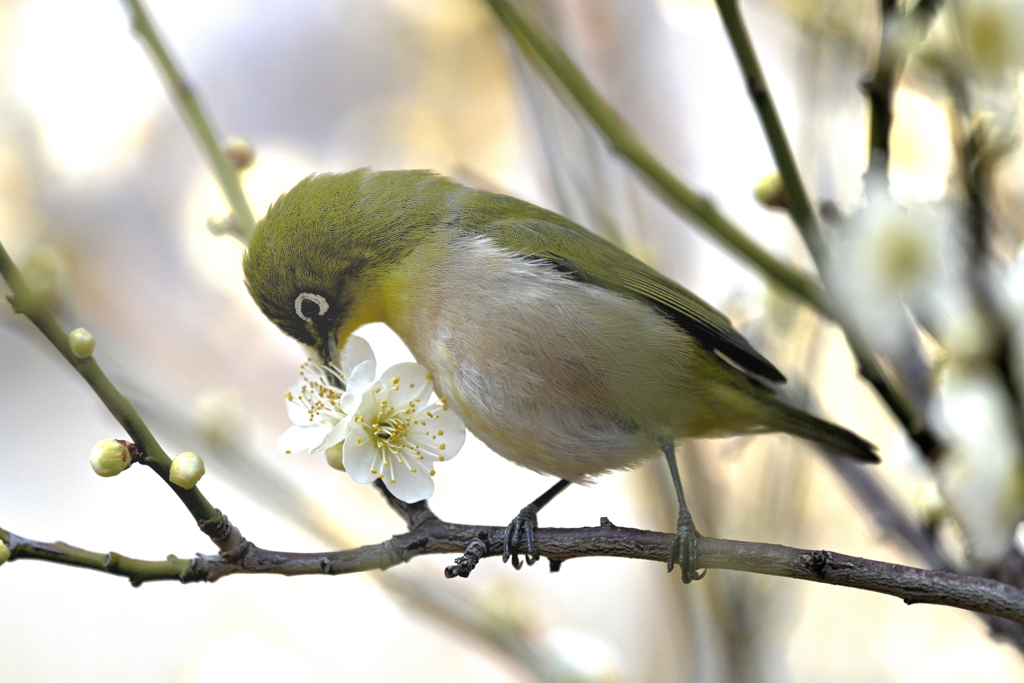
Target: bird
[(561, 352)]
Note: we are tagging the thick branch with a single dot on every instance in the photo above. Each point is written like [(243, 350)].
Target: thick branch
[(910, 584)]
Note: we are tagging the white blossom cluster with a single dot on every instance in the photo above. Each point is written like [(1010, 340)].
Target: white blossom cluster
[(386, 429), (927, 279)]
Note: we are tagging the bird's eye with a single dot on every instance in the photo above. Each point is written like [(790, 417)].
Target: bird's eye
[(309, 306)]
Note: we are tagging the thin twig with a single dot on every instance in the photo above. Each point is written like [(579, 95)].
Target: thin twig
[(802, 211), (881, 87), (798, 203), (552, 60), (26, 303), (184, 97)]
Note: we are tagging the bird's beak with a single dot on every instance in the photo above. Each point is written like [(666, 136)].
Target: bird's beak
[(327, 349)]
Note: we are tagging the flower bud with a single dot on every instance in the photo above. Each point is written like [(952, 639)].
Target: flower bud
[(110, 457), (187, 469), (334, 458), (239, 152), (222, 225), (82, 343), (771, 192), (5, 552), (46, 274)]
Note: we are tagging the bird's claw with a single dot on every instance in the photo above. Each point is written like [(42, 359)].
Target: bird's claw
[(684, 549), (523, 526)]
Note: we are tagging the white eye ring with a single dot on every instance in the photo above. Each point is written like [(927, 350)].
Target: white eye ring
[(315, 298)]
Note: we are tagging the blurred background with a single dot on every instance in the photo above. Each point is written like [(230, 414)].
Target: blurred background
[(104, 201)]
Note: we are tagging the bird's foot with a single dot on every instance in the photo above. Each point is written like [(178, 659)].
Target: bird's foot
[(520, 528), (684, 548)]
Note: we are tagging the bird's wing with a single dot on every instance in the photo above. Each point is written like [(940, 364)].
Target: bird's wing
[(538, 234)]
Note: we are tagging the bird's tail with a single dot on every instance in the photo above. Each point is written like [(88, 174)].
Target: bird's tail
[(833, 438)]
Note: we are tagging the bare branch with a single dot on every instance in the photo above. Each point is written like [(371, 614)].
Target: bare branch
[(910, 584)]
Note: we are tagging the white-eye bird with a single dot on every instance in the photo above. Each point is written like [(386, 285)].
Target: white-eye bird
[(560, 351)]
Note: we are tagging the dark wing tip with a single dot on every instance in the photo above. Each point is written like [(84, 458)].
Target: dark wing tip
[(752, 361)]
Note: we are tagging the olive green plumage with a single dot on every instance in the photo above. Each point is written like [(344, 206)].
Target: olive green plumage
[(562, 352)]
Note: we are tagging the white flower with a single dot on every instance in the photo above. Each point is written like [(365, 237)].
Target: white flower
[(396, 435), (892, 258), (982, 476), (187, 469), (319, 409)]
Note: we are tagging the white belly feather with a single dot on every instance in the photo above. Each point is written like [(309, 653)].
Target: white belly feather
[(558, 376)]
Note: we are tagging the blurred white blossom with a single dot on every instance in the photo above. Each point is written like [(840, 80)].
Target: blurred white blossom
[(889, 259), (981, 476), (582, 657), (220, 415), (990, 33)]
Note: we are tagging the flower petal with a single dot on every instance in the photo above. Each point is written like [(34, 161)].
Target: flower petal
[(411, 385), (368, 409), (410, 486), (357, 351), (361, 377), (359, 454), (301, 438), (334, 436), (443, 428), (297, 412)]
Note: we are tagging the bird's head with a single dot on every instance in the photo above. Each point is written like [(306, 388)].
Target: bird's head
[(317, 261)]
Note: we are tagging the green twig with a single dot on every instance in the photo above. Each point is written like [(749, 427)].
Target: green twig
[(182, 94), (552, 61), (798, 202), (29, 305), (137, 571), (544, 52)]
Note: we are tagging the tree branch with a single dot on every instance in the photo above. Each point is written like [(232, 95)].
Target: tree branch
[(910, 584), (798, 202), (552, 61), (181, 94), (153, 455)]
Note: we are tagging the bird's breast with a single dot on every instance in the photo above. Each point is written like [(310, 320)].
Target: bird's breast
[(560, 376)]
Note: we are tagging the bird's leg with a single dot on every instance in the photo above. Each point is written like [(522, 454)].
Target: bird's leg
[(684, 546), (524, 524)]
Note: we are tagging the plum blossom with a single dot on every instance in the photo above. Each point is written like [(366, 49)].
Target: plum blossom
[(386, 429)]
